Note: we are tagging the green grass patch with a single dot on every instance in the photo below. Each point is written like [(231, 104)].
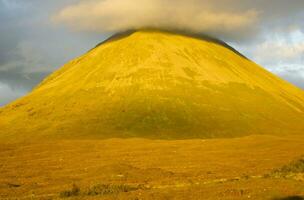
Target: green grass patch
[(107, 189), (290, 170), (74, 191), (99, 190), (296, 166)]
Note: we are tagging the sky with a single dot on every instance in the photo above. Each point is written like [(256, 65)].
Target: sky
[(37, 37)]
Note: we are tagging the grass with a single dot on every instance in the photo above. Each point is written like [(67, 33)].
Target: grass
[(74, 191), (296, 166), (151, 169), (295, 169), (99, 190), (106, 189)]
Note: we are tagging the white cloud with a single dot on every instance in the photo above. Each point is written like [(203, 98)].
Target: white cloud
[(192, 15), (281, 54), (281, 49)]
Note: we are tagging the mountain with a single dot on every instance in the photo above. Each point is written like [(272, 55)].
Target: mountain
[(161, 85)]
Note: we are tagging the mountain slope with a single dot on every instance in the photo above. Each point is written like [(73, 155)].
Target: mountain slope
[(160, 85)]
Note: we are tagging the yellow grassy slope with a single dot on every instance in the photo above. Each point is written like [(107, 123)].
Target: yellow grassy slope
[(161, 85)]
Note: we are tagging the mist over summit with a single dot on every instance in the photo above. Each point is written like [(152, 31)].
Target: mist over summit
[(196, 16)]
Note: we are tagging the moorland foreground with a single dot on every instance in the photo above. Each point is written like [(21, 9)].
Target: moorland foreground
[(252, 167)]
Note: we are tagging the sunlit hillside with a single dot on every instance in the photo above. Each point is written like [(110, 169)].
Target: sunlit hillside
[(158, 85)]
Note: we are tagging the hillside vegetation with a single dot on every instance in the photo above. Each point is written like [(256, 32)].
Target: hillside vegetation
[(157, 85)]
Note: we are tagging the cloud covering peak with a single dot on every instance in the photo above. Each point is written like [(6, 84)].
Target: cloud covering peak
[(199, 16)]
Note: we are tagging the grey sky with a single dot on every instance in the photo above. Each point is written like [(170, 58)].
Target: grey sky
[(34, 41)]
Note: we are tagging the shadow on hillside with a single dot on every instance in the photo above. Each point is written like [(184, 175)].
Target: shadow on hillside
[(201, 36), (290, 198)]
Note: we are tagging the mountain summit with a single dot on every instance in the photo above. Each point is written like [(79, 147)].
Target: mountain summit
[(158, 85)]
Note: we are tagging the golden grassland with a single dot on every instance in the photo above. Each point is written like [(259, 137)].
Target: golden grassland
[(253, 167)]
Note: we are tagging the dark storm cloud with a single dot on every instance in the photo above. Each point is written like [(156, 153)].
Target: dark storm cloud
[(8, 94), (20, 81), (31, 46)]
